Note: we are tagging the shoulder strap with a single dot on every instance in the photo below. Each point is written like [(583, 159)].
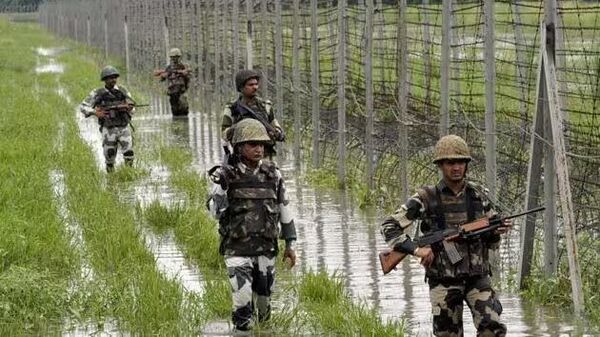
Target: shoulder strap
[(432, 197)]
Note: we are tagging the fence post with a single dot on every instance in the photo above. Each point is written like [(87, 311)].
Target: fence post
[(314, 81), (490, 99), (564, 187), (403, 99), (236, 37), (520, 69), (249, 35), (427, 56), (105, 38), (445, 67), (296, 80), (263, 48), (127, 64), (166, 37), (278, 62), (89, 31), (369, 93), (341, 92)]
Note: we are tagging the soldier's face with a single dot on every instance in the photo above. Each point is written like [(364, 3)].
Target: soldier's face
[(110, 81), (250, 88), (253, 151), (453, 170), (175, 59)]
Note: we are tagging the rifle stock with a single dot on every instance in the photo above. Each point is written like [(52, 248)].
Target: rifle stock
[(389, 259)]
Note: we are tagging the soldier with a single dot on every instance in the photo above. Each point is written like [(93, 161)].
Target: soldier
[(177, 75), (249, 105), (113, 106), (249, 200), (452, 202)]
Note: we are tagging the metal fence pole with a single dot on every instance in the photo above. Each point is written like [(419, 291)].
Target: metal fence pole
[(445, 67), (490, 99), (403, 100), (369, 93), (314, 81), (236, 37), (249, 35), (265, 19), (341, 92), (278, 62), (296, 80), (127, 63)]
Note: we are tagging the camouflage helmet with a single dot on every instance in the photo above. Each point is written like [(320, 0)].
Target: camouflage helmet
[(175, 52), (243, 76), (108, 71), (249, 130), (451, 147)]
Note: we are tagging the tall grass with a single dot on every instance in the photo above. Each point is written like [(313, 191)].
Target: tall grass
[(36, 260)]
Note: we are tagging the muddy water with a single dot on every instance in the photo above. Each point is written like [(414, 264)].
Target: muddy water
[(333, 234)]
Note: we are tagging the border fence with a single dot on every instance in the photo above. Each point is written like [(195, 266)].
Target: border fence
[(368, 86)]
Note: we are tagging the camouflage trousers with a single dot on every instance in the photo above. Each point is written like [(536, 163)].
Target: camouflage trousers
[(251, 279), (447, 307), (179, 104), (113, 137)]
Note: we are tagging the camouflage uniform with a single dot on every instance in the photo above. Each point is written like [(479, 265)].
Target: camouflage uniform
[(251, 206), (178, 83), (114, 127), (234, 112), (237, 110), (438, 208)]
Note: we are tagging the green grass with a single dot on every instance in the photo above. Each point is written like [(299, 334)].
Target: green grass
[(38, 262), (330, 308), (556, 291), (36, 259)]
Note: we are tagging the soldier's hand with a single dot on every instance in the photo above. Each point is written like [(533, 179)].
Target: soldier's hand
[(277, 135), (426, 255), (289, 257), (506, 226), (100, 113)]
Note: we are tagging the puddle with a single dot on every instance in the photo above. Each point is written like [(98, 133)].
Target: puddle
[(50, 52), (53, 68)]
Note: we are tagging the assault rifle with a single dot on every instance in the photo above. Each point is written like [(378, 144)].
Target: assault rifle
[(390, 258), (112, 110)]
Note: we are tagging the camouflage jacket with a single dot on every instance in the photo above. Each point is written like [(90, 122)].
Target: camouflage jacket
[(178, 78), (107, 98), (232, 115), (439, 208), (250, 205)]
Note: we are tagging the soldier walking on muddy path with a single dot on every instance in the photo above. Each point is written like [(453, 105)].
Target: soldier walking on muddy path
[(113, 106), (452, 202), (177, 76), (249, 200), (249, 105)]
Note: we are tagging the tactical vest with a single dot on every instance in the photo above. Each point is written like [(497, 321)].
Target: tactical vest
[(107, 98), (177, 82), (445, 211), (252, 216)]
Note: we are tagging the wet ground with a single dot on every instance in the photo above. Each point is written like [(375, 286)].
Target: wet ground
[(333, 233)]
